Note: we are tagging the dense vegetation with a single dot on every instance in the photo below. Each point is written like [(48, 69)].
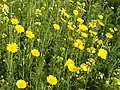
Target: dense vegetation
[(60, 44)]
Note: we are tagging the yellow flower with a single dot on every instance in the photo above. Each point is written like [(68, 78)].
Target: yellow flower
[(111, 30), (92, 33), (21, 84), (85, 67), (84, 34), (62, 49), (72, 68), (75, 12), (100, 42), (63, 20), (19, 28), (67, 15), (92, 61), (118, 81), (52, 80), (100, 16), (2, 80), (83, 27), (83, 10), (63, 12), (56, 26), (101, 23), (5, 9), (102, 53), (112, 8), (70, 23), (35, 52), (115, 29), (70, 27), (88, 50), (79, 44), (91, 50), (13, 47), (14, 21), (109, 35), (69, 62), (80, 20), (92, 24), (29, 34), (4, 0)]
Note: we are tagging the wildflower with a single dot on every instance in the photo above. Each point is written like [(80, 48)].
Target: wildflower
[(88, 50), (4, 0), (62, 49), (118, 82), (13, 47), (29, 34), (101, 23), (92, 24), (63, 20), (5, 9), (85, 67), (35, 52), (83, 10), (4, 35), (112, 8), (100, 16), (75, 12), (70, 23), (19, 28), (21, 84), (111, 30), (102, 53), (91, 50), (93, 33), (2, 80), (100, 42), (69, 62), (79, 44), (66, 15), (72, 68), (59, 59), (115, 29), (92, 61), (63, 12), (84, 34), (14, 21), (52, 80), (6, 19), (80, 20), (56, 26), (109, 35), (70, 27), (83, 27)]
